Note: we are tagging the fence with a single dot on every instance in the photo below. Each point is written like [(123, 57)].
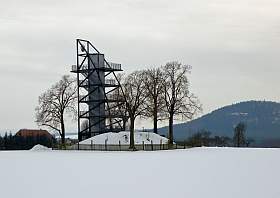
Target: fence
[(123, 147)]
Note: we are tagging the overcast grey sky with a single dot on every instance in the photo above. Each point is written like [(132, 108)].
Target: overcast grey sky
[(233, 46)]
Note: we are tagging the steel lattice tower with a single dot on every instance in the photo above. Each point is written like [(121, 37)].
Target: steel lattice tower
[(97, 82)]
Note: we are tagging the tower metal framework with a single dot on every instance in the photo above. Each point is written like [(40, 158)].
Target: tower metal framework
[(99, 92)]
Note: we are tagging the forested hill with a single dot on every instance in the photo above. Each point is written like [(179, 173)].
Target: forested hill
[(262, 119)]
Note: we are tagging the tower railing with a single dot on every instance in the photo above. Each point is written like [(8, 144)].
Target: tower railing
[(115, 66), (107, 82), (85, 98), (110, 65), (110, 81), (107, 114)]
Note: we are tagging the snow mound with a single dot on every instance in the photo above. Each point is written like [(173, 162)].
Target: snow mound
[(40, 147), (123, 137)]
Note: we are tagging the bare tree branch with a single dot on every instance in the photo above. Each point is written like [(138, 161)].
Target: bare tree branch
[(133, 88), (154, 91), (178, 99), (55, 102)]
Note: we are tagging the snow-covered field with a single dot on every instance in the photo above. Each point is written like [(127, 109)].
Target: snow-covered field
[(198, 172), (123, 137)]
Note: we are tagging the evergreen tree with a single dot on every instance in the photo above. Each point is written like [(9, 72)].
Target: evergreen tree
[(1, 143), (5, 140), (239, 134), (202, 138)]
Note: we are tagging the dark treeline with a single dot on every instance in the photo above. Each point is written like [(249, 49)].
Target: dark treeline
[(14, 142), (204, 138)]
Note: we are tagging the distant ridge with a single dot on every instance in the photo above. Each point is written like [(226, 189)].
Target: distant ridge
[(262, 119)]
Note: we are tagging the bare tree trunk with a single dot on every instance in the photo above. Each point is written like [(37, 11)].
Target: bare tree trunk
[(131, 139), (62, 133), (124, 124), (155, 123), (155, 116), (171, 140)]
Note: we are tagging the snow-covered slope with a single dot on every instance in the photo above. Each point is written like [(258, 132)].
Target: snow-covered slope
[(194, 173), (123, 137), (261, 117)]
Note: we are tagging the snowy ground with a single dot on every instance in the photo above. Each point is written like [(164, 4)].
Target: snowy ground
[(198, 172)]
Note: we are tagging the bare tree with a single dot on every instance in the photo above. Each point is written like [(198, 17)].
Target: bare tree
[(177, 97), (154, 89), (134, 95), (55, 103)]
